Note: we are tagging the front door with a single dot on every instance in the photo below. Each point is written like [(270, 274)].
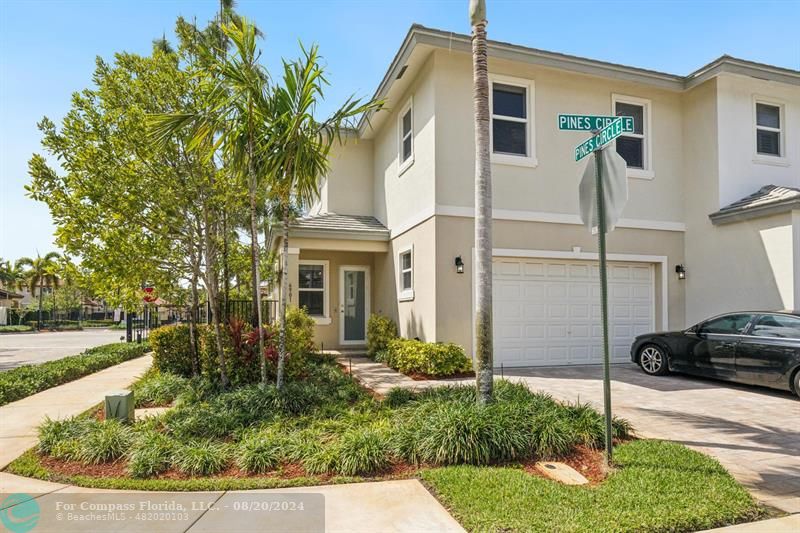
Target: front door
[(353, 304)]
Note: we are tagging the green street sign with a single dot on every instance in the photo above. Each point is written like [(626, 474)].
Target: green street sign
[(591, 122), (603, 137)]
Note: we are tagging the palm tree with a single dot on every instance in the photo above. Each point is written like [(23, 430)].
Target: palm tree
[(296, 152), (483, 205), (38, 274)]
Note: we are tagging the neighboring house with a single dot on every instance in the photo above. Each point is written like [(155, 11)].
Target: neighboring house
[(714, 178), (9, 298)]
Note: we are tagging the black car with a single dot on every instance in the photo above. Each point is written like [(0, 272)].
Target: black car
[(755, 348)]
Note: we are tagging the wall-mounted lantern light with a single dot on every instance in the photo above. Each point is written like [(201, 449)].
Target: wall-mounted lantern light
[(459, 265), (680, 270)]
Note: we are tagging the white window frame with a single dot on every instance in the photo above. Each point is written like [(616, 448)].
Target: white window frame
[(325, 319), (528, 160), (405, 165), (780, 160), (405, 295), (647, 172)]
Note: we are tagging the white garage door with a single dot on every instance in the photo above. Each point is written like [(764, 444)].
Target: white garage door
[(547, 312)]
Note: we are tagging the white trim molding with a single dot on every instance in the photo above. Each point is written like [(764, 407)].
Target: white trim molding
[(325, 319), (594, 256), (528, 160), (412, 222), (648, 171), (556, 218)]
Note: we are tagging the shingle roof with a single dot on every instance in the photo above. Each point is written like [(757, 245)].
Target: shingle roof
[(768, 200), (365, 226)]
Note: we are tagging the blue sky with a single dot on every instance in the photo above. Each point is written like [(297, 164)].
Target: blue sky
[(48, 48)]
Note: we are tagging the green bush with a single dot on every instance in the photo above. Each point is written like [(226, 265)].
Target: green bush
[(201, 458), (15, 329), (171, 349), (105, 441), (380, 331), (150, 455), (158, 388), (23, 381), (428, 358), (259, 452)]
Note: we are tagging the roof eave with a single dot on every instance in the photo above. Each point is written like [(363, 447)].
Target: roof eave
[(749, 213)]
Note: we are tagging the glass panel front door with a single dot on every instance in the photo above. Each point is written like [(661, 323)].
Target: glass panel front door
[(355, 312)]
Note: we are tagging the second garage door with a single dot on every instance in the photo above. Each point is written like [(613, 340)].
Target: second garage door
[(547, 312)]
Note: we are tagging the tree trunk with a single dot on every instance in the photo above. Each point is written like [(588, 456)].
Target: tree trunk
[(483, 218), (226, 285), (254, 252), (39, 321), (284, 297), (193, 312)]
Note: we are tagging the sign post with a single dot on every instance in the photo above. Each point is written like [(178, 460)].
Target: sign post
[(604, 129)]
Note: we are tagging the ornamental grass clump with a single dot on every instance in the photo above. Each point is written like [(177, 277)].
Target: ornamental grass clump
[(201, 458), (104, 442), (53, 432), (259, 452), (150, 455), (362, 452), (159, 389)]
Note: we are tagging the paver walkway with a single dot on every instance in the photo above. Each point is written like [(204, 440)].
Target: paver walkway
[(385, 506), (753, 432), (18, 420)]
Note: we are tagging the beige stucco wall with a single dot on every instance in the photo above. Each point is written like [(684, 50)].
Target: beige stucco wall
[(399, 198), (743, 265), (348, 187), (742, 171), (415, 318), (552, 185), (455, 237)]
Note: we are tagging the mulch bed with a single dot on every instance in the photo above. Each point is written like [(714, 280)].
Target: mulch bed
[(416, 376), (587, 461)]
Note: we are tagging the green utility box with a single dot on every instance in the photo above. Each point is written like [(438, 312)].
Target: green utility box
[(119, 405)]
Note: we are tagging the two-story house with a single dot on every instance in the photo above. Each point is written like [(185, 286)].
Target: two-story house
[(712, 223)]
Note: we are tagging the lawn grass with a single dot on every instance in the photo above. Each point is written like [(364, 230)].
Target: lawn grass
[(15, 329), (658, 486)]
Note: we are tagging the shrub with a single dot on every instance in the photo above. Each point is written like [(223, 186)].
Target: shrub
[(171, 349), (299, 332), (428, 358), (200, 458), (105, 441), (259, 452), (380, 331), (150, 455), (158, 388), (23, 381), (362, 451), (552, 433), (15, 329)]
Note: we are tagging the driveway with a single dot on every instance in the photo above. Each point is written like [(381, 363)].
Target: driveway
[(17, 349), (753, 432)]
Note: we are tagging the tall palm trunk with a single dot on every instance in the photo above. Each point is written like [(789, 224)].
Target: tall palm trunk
[(39, 321), (193, 312), (483, 206), (284, 297), (254, 253)]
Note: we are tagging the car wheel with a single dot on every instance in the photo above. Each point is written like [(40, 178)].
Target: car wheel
[(796, 381), (653, 360)]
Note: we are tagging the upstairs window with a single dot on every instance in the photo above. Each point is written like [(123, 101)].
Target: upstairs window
[(511, 108), (406, 135), (635, 146), (768, 129)]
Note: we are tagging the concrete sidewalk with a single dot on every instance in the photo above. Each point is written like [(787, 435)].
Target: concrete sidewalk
[(18, 420), (386, 506)]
